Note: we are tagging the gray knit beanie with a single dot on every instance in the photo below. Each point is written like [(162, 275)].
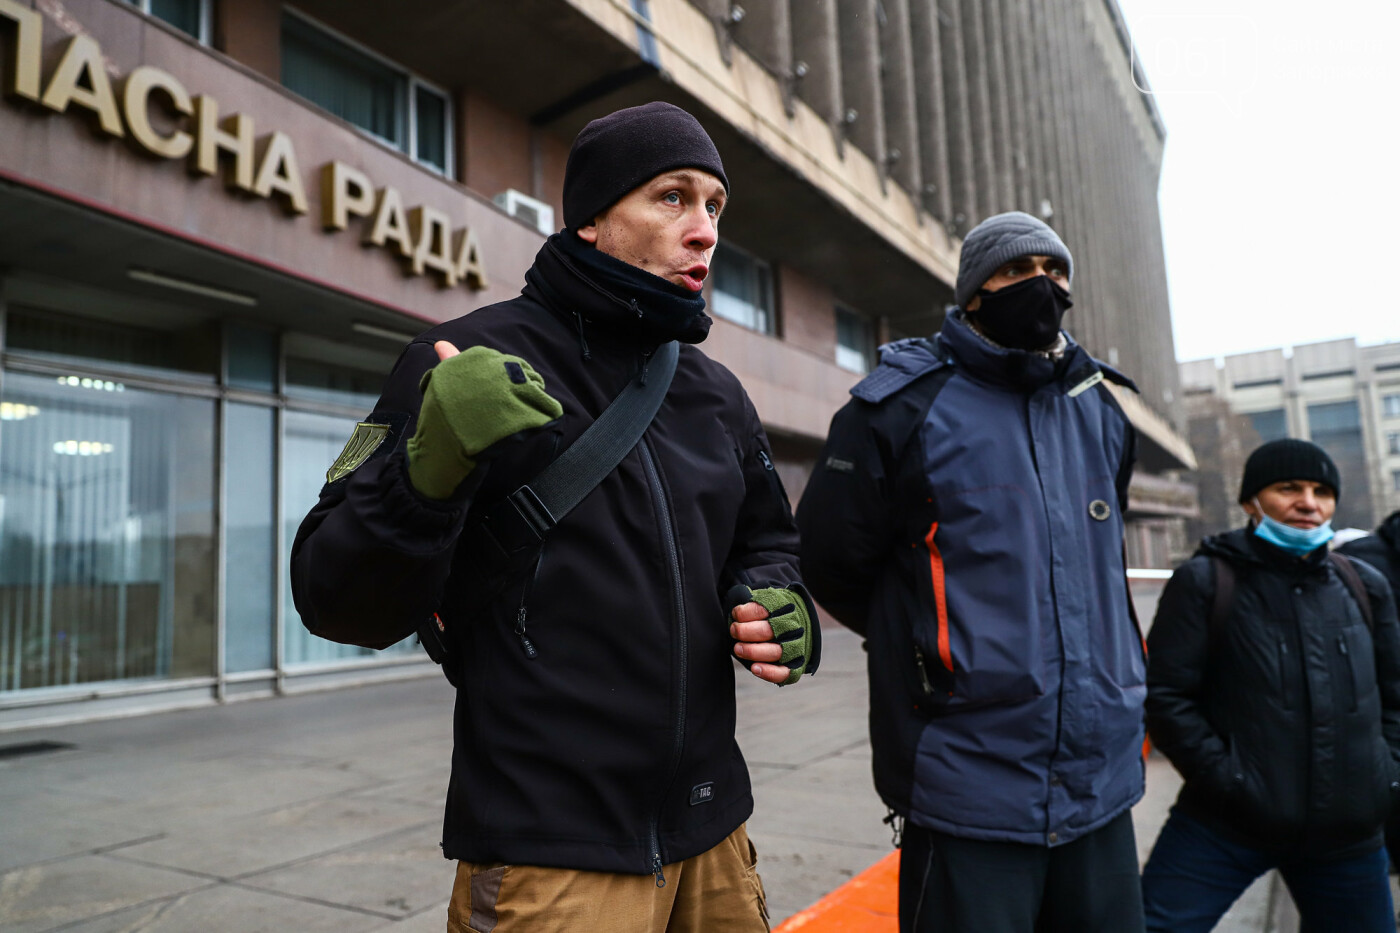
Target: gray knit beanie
[(998, 240)]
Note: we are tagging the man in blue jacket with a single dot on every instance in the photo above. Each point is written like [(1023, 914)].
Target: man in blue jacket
[(966, 517)]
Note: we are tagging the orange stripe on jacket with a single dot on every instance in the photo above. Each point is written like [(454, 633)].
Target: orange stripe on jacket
[(940, 597)]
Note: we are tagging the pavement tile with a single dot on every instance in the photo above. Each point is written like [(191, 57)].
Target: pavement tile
[(427, 788), (230, 848), (40, 897), (40, 826), (231, 909), (797, 870), (395, 876), (429, 920)]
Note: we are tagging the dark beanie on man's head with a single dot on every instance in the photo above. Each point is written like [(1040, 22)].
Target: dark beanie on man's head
[(998, 240), (1287, 459), (614, 154)]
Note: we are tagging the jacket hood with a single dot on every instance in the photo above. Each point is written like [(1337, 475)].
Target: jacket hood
[(604, 296), (1243, 548), (1024, 370)]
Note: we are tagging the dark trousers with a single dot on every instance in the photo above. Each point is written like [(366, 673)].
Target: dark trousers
[(1195, 874), (952, 885)]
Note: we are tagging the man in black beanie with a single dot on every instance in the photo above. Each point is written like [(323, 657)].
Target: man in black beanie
[(1274, 688), (596, 782), (966, 517)]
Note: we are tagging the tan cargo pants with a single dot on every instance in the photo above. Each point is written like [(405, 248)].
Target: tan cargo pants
[(715, 891)]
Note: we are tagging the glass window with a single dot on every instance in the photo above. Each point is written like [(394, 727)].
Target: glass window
[(250, 538), (188, 16), (1395, 480), (325, 382), (1392, 441), (311, 442), (1390, 404), (1272, 425), (430, 127), (252, 357), (106, 533), (359, 87), (1336, 428), (855, 341), (190, 354), (743, 289)]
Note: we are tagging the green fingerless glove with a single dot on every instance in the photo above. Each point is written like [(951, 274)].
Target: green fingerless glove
[(471, 401), (795, 627)]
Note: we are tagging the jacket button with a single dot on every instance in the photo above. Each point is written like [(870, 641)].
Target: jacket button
[(1239, 778), (1054, 838)]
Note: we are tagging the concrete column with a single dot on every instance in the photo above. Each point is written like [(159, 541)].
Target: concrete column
[(766, 33), (1000, 85), (958, 117), (932, 112), (980, 108), (816, 51), (1044, 119), (860, 77), (901, 114), (1018, 94)]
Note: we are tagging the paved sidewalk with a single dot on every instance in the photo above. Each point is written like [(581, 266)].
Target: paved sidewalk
[(322, 812)]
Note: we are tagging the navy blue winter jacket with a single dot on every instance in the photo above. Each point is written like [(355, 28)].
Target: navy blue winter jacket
[(966, 516)]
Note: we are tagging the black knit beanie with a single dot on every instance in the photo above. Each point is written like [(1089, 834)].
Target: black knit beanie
[(998, 240), (614, 154), (1287, 459)]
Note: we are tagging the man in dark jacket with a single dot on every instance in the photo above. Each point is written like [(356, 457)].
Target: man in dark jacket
[(1382, 551), (596, 782), (1274, 688), (966, 517)]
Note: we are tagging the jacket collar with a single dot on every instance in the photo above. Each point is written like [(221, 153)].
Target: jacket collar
[(1022, 370), (605, 298), (1242, 547)]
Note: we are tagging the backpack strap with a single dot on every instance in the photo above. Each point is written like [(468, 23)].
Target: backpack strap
[(1347, 571), (1223, 598)]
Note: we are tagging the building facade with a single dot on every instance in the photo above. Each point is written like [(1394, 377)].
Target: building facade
[(1341, 396), (220, 220)]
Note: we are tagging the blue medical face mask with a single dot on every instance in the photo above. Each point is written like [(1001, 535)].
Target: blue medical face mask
[(1297, 541)]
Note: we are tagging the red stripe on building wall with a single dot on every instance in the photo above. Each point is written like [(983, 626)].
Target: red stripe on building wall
[(940, 598)]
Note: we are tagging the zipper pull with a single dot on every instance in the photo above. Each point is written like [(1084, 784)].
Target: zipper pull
[(923, 671), (656, 870), (525, 641)]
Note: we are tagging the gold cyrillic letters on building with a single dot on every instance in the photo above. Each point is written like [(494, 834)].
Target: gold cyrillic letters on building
[(191, 127)]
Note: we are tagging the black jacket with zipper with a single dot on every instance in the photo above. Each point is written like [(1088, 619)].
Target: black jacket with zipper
[(613, 748), (1381, 550), (1284, 720)]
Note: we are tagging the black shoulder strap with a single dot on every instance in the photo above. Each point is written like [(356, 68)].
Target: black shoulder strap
[(511, 532), (1347, 571), (563, 484), (1224, 597)]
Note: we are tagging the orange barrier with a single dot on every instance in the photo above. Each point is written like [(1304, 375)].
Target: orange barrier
[(868, 903)]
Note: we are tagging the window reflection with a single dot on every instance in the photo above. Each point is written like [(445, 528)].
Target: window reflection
[(106, 534)]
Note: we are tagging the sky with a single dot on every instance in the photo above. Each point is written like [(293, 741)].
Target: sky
[(1280, 188)]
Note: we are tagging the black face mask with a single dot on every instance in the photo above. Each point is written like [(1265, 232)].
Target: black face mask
[(1024, 316)]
